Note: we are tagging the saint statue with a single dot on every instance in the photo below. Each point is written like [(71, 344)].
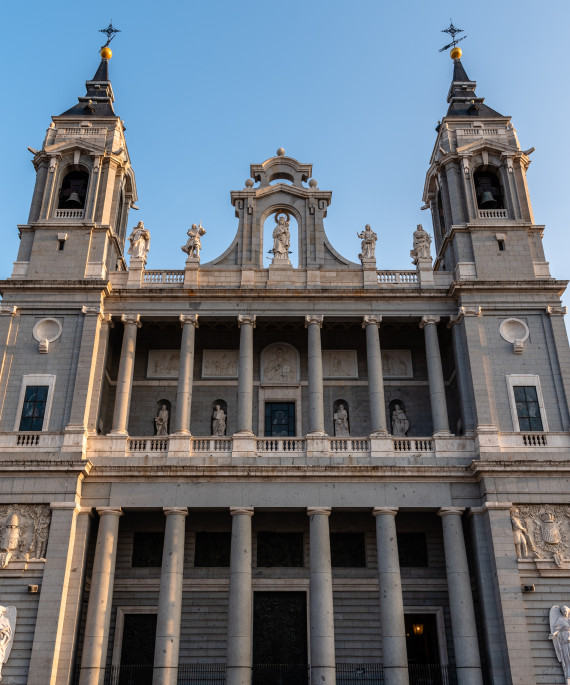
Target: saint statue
[(422, 242), (218, 421), (7, 628), (281, 238), (560, 636), (194, 244), (341, 422), (368, 247), (400, 423), (140, 242), (161, 422)]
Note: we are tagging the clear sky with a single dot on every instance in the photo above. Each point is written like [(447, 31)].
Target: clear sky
[(355, 88)]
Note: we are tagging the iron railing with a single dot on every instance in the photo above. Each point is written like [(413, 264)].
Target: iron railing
[(280, 674), (128, 675), (432, 674), (371, 674)]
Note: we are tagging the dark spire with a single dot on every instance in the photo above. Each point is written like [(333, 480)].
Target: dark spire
[(99, 98), (463, 100)]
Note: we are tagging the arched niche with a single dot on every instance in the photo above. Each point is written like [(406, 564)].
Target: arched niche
[(73, 188), (160, 405), (269, 239), (341, 419), (489, 192), (398, 426), (219, 422)]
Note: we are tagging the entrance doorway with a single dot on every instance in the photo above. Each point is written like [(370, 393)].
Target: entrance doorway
[(137, 652), (421, 639), (279, 419), (280, 638)]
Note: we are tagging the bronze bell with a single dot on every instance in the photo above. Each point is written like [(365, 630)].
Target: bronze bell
[(73, 201), (488, 201)]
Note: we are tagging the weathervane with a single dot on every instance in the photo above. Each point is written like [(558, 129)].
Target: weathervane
[(453, 31), (110, 32)]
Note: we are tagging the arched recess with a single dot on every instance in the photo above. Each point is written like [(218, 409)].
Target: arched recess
[(268, 241), (489, 187), (341, 418), (218, 422), (398, 425), (160, 405), (73, 187)]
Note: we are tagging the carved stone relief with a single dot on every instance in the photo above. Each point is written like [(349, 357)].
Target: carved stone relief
[(340, 364), (220, 363), (279, 365), (397, 364), (23, 532), (542, 531), (7, 630), (163, 363)]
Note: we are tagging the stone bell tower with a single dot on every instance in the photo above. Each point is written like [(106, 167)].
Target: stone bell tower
[(477, 191), (84, 189)]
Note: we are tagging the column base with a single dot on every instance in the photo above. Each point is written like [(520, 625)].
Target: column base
[(396, 675), (442, 434), (379, 434), (118, 434), (238, 675), (323, 675)]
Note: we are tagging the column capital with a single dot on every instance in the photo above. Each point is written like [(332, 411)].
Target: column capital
[(490, 506), (246, 318), (429, 319), (115, 511), (93, 311), (553, 311), (239, 511), (320, 511), (86, 510), (314, 318), (181, 511), (471, 310), (108, 319), (390, 511), (8, 309), (189, 318), (65, 505), (451, 511), (131, 319), (371, 319)]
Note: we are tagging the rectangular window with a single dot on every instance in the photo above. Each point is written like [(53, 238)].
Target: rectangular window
[(34, 408), (279, 419), (279, 549), (528, 408), (212, 550)]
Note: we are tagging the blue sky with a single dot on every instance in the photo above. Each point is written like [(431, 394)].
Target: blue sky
[(354, 88)]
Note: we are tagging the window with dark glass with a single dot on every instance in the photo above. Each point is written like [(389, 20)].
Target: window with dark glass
[(34, 408), (279, 549), (212, 549), (147, 549), (348, 550), (279, 419), (528, 410), (412, 550)]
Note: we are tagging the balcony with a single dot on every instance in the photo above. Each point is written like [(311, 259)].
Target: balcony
[(68, 214), (493, 213)]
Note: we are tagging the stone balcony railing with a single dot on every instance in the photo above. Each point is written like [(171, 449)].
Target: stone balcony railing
[(68, 214), (493, 213)]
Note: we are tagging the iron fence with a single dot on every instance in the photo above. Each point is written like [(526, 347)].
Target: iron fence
[(347, 674), (280, 674), (432, 674), (201, 674)]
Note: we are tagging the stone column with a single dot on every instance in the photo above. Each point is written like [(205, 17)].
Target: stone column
[(375, 377), (246, 323), (125, 376), (395, 657), (323, 671), (314, 323), (170, 598), (240, 639), (189, 323), (9, 325), (96, 638), (463, 625), (100, 360), (435, 376)]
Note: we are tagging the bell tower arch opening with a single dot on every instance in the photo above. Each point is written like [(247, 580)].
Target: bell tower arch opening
[(280, 238), (73, 189), (488, 189)]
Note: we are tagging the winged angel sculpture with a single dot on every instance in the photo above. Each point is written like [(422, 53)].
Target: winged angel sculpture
[(560, 636), (7, 630)]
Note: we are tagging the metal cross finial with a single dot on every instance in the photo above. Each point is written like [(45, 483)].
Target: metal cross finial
[(110, 31), (453, 31)]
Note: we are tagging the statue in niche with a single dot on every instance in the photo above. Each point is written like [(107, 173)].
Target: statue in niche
[(341, 428), (7, 629), (161, 422), (281, 238), (523, 542), (422, 242), (140, 242), (219, 421), (400, 423), (560, 636), (194, 244), (368, 247)]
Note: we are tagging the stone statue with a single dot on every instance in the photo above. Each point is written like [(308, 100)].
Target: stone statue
[(422, 242), (341, 422), (368, 247), (10, 540), (7, 629), (161, 422), (560, 636), (281, 238), (219, 421), (140, 242), (400, 423), (523, 543), (194, 244)]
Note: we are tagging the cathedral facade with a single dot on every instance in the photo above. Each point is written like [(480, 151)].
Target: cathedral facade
[(247, 473)]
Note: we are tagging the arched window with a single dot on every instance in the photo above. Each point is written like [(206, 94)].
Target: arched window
[(341, 419), (488, 190), (162, 417), (398, 418), (219, 418), (73, 190)]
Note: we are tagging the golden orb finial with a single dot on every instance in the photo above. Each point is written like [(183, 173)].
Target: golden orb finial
[(456, 53), (106, 52)]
